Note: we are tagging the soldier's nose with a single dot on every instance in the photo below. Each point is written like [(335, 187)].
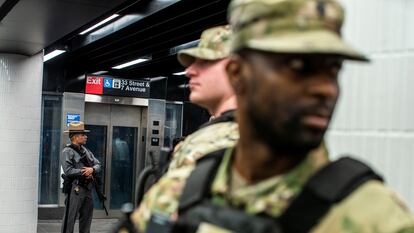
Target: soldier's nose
[(190, 71), (325, 86)]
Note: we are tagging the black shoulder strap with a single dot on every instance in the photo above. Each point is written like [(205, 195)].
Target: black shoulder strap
[(330, 185), (85, 160), (73, 147), (198, 183), (227, 116)]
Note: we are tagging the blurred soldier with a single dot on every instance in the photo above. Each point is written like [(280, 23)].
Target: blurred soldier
[(210, 89), (287, 56), (79, 166)]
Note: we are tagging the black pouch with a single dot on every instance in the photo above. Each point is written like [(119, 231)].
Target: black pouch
[(223, 217), (159, 224), (67, 184)]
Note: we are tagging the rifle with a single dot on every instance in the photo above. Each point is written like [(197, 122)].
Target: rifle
[(101, 195), (96, 180)]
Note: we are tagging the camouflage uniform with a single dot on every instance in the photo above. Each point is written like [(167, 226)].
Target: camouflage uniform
[(371, 208), (163, 197), (203, 141)]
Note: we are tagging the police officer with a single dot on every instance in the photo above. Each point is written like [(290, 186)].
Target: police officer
[(284, 70), (79, 166)]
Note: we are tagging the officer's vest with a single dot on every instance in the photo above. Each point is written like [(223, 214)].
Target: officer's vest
[(327, 187)]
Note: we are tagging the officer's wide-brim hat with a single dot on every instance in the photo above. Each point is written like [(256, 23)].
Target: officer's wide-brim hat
[(76, 127), (290, 26), (214, 45)]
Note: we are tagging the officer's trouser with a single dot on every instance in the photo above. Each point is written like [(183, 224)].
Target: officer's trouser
[(80, 205)]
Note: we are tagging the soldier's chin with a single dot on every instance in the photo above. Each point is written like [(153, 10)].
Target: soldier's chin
[(195, 99), (291, 151), (301, 146), (311, 143)]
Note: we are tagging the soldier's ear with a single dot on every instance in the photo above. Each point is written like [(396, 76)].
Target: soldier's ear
[(234, 72)]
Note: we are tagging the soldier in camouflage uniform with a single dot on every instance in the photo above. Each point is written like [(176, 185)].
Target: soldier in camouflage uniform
[(210, 89), (290, 50)]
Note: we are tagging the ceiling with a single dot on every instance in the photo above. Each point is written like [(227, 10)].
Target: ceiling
[(28, 26), (154, 28)]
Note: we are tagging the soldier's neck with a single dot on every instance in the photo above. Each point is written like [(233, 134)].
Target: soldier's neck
[(226, 104), (255, 160)]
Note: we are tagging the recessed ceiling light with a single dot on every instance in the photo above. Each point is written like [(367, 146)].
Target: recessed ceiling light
[(100, 72), (130, 63), (53, 54), (99, 24), (179, 73)]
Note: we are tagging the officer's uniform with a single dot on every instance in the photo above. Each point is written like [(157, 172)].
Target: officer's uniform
[(81, 202), (285, 26)]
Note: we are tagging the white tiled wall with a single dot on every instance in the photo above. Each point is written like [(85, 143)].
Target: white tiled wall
[(374, 119), (20, 104)]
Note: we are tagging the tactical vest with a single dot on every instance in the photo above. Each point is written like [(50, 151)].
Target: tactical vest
[(330, 185)]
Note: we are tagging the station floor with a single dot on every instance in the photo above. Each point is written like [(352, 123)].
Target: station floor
[(98, 226)]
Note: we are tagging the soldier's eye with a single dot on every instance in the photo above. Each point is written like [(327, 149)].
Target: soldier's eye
[(301, 66), (297, 64), (334, 65), (313, 65)]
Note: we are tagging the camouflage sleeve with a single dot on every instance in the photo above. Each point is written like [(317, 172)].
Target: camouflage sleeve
[(162, 198), (407, 230), (371, 208), (206, 140)]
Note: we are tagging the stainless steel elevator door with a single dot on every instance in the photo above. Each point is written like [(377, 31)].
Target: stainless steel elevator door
[(114, 140)]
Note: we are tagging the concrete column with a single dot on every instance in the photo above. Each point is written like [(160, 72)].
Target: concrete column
[(374, 118), (20, 113)]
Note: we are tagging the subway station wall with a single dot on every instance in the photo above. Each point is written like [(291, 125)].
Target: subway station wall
[(20, 103), (374, 116)]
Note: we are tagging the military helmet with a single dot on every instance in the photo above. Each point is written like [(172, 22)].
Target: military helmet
[(290, 26), (214, 45)]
